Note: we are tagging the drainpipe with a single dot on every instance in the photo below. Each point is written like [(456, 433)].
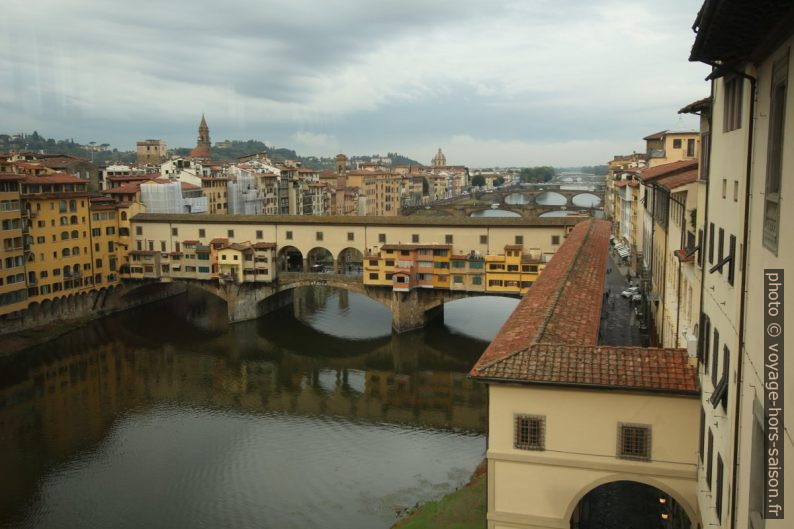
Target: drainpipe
[(742, 302)]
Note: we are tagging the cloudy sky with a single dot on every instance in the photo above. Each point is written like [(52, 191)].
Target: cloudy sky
[(559, 82)]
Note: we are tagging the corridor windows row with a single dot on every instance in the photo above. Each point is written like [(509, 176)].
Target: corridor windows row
[(633, 440)]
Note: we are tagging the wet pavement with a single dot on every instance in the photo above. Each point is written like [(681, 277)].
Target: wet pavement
[(619, 323)]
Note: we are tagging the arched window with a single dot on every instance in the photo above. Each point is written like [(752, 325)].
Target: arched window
[(123, 215), (76, 269), (76, 250), (64, 235), (64, 221), (75, 234), (67, 271), (72, 205), (66, 252), (73, 219)]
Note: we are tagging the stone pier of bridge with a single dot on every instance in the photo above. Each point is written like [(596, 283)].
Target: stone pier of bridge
[(409, 310)]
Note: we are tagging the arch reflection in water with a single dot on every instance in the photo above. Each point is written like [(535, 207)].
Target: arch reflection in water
[(516, 199), (586, 200), (285, 424), (550, 198), (494, 213)]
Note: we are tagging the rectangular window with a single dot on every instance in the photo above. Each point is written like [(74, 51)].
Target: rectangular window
[(724, 187), (732, 114), (677, 143), (415, 238), (351, 236), (702, 433), (711, 243), (96, 232), (710, 458), (700, 248), (230, 234), (457, 280), (318, 236), (718, 494), (202, 233), (714, 357), (483, 239), (634, 441), (690, 147), (381, 238), (373, 275), (204, 269), (529, 432), (476, 280), (774, 164), (259, 235), (288, 235), (720, 246), (519, 239), (138, 230), (175, 231), (555, 240), (736, 191), (448, 238), (732, 255)]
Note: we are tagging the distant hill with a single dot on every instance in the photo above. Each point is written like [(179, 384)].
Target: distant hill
[(38, 143), (229, 150)]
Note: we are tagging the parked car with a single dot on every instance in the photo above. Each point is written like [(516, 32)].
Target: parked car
[(630, 292)]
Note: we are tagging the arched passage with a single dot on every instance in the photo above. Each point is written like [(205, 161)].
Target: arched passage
[(627, 504), (290, 259), (350, 262), (320, 260)]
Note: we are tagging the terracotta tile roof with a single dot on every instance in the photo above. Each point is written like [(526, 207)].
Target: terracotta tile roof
[(624, 183), (667, 169), (655, 136), (614, 367), (190, 243), (684, 256), (6, 177), (219, 240), (678, 180), (55, 178), (697, 106), (415, 246), (264, 245), (514, 246), (564, 304), (130, 188)]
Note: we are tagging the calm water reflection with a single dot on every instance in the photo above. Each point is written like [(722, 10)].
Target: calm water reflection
[(494, 213), (316, 416)]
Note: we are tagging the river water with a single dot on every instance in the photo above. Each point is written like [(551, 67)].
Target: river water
[(314, 416)]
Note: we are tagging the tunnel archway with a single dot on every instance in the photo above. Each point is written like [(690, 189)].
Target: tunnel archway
[(290, 259), (627, 504), (320, 259), (350, 262)]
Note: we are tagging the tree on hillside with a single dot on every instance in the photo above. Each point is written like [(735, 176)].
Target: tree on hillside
[(537, 174), (478, 180)]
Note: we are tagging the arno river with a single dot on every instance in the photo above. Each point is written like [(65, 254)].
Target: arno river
[(315, 416)]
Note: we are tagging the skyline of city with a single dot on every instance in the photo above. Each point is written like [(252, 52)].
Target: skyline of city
[(323, 79)]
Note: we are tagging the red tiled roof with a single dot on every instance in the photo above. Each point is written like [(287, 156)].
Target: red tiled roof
[(616, 367), (667, 169), (564, 304), (697, 106), (655, 136), (190, 243), (624, 183), (219, 240), (6, 177), (678, 180), (130, 188), (683, 257), (415, 246), (55, 178)]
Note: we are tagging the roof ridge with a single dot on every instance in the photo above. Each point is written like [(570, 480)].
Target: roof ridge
[(563, 280)]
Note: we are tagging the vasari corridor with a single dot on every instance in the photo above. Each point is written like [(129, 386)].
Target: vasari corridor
[(448, 264)]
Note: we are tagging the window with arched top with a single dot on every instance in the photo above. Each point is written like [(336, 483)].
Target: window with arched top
[(73, 219), (72, 205), (64, 221), (67, 270), (123, 215), (75, 234), (64, 235), (76, 250), (66, 252)]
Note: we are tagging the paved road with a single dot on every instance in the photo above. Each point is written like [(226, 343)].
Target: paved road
[(619, 325)]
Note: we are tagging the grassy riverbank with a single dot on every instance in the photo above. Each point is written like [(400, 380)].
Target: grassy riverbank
[(463, 509)]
